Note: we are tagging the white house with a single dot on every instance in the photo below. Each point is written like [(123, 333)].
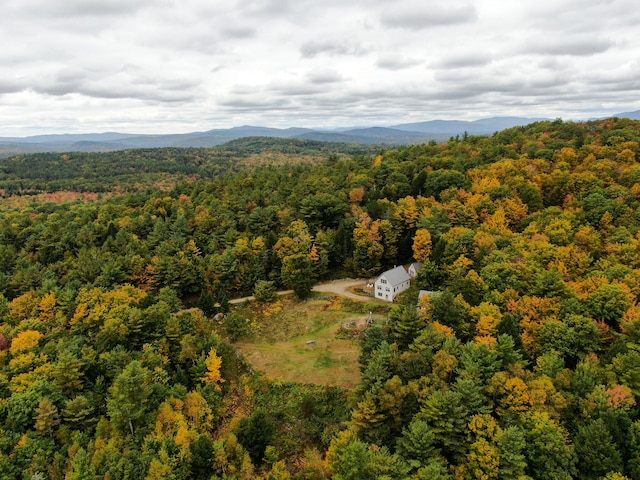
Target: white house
[(414, 268), (391, 283)]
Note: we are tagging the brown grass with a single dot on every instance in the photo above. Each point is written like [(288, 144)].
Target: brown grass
[(278, 344)]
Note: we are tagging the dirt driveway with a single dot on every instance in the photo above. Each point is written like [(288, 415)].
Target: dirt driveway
[(344, 288), (341, 287)]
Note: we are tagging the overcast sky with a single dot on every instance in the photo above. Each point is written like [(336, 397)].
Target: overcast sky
[(171, 66)]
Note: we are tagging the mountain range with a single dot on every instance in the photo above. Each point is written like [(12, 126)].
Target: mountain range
[(406, 133)]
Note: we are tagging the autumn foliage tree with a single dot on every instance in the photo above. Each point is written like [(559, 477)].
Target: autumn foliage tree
[(522, 362), (422, 245)]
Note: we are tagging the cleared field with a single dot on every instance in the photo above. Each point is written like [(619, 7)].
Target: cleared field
[(300, 341)]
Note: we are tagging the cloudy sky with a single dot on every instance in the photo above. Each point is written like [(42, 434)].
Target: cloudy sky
[(171, 66)]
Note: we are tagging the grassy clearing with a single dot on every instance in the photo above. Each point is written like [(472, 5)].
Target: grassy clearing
[(297, 341)]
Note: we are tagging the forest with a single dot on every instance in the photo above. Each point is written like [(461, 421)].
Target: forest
[(130, 170), (524, 362)]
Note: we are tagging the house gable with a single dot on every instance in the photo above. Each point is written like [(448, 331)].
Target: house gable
[(391, 283), (414, 268)]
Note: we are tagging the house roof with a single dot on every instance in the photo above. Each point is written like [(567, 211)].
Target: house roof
[(425, 292), (396, 276), (416, 265)]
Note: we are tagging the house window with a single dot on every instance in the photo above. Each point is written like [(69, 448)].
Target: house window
[(383, 280)]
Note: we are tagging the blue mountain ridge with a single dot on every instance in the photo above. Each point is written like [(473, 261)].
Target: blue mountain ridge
[(406, 133)]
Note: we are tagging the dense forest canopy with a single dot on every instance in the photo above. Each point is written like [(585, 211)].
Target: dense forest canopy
[(131, 170), (525, 363)]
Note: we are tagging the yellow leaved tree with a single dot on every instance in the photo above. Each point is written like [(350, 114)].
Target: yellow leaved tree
[(212, 375), (25, 341), (422, 245)]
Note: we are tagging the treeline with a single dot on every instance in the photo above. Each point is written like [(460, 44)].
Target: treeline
[(133, 170), (523, 364)]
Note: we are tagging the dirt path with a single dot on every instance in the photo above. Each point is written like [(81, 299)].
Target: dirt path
[(344, 288), (252, 298), (341, 287)]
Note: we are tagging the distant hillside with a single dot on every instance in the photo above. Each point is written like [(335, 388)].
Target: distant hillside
[(485, 126), (132, 169), (100, 142), (632, 115), (370, 136), (246, 146), (402, 134)]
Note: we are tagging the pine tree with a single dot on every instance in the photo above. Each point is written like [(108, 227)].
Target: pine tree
[(127, 402), (596, 450), (417, 442), (404, 325), (47, 417)]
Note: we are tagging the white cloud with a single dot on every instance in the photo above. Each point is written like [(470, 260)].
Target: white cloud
[(169, 66), (331, 47), (397, 62), (583, 45), (415, 17)]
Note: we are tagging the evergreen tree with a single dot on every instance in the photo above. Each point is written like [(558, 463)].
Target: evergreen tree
[(255, 433), (127, 402), (597, 453), (47, 417), (404, 325), (417, 442), (265, 291)]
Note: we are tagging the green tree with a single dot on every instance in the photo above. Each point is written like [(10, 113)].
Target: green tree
[(20, 408), (236, 325), (378, 370), (404, 325), (255, 433), (435, 469), (78, 412), (633, 463), (442, 179), (323, 209), (597, 453), (127, 402), (373, 338), (511, 444), (573, 338), (447, 309), (298, 274), (627, 367), (265, 291), (67, 373), (549, 453), (447, 419), (549, 283), (81, 467), (609, 302), (348, 457), (387, 465), (202, 457), (472, 394), (417, 442)]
